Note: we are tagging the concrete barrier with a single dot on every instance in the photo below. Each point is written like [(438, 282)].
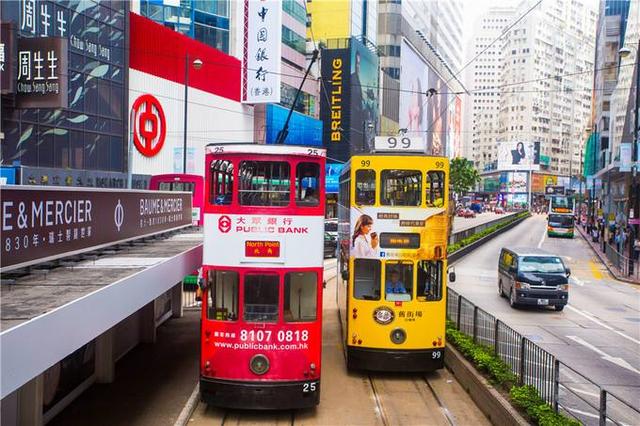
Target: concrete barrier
[(467, 232), (492, 403)]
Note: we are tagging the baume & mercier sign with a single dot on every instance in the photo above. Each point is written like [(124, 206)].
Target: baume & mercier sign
[(41, 224)]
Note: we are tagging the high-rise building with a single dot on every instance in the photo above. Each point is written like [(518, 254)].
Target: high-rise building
[(331, 19), (441, 23), (483, 78)]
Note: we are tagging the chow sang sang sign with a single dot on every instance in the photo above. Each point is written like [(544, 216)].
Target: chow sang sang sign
[(46, 224)]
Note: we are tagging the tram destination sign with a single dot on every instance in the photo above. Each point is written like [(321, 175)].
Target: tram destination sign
[(42, 224)]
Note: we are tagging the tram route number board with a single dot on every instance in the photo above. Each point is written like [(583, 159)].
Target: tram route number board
[(399, 144)]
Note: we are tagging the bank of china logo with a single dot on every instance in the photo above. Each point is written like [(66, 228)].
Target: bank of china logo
[(224, 224), (383, 315), (118, 215)]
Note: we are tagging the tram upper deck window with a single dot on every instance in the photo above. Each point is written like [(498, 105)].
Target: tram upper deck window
[(300, 296), (429, 281), (177, 186), (400, 187), (435, 189), (307, 178), (367, 279), (222, 301), (398, 281), (221, 178), (264, 183), (365, 187), (261, 297)]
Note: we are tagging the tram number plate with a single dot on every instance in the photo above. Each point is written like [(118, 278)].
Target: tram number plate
[(543, 301), (309, 387)]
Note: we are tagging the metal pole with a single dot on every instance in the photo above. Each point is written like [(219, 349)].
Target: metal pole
[(556, 384), (603, 407), (521, 369), (186, 103), (530, 188), (130, 150)]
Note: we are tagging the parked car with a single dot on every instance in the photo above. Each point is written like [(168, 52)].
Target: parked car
[(530, 276), (330, 245), (331, 227)]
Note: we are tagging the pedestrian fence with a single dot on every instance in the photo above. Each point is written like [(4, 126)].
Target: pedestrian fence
[(562, 387), (628, 267)]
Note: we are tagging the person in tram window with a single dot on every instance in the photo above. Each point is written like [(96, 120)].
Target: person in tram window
[(394, 285), (364, 242), (310, 197)]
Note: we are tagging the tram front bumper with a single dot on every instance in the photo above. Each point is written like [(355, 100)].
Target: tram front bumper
[(369, 359), (260, 395)]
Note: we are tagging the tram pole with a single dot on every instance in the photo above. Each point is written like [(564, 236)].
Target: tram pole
[(282, 134)]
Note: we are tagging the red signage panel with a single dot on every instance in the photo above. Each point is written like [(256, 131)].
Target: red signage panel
[(262, 248)]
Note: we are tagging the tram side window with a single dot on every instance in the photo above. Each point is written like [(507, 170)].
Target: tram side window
[(177, 186), (221, 178), (261, 297), (264, 183), (435, 189), (398, 281), (367, 279), (429, 281), (400, 187), (222, 296), (365, 187), (307, 178), (300, 296)]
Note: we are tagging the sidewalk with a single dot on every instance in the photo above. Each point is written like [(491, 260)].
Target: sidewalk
[(616, 272)]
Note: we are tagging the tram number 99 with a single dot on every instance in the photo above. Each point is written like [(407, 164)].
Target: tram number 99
[(281, 335), (436, 355), (309, 387)]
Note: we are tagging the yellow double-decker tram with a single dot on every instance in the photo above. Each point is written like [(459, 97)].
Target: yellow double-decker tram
[(394, 223)]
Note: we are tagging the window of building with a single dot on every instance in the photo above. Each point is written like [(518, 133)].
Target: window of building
[(400, 187), (300, 296), (294, 40), (221, 178), (222, 295), (307, 180), (261, 297), (215, 7), (295, 9), (365, 187), (398, 281), (367, 279), (217, 38), (264, 183), (435, 189)]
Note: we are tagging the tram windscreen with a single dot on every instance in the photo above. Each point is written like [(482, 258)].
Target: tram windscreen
[(261, 297), (223, 296), (177, 186), (429, 281), (400, 187), (300, 296), (367, 279)]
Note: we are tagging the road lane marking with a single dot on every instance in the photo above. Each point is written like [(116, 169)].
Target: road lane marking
[(584, 392), (595, 271), (578, 281), (586, 413), (544, 234), (601, 324), (605, 356)]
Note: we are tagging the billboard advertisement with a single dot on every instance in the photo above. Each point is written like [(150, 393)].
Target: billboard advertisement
[(332, 177), (518, 155), (364, 96), (516, 182), (437, 116), (413, 85), (262, 51), (334, 102), (303, 130)]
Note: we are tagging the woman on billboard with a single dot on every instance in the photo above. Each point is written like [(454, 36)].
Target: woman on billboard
[(364, 243), (518, 154)]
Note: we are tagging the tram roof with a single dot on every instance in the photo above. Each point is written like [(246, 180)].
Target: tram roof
[(254, 148)]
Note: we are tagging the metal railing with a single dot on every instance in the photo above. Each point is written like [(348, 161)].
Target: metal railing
[(189, 293), (562, 387), (628, 267)]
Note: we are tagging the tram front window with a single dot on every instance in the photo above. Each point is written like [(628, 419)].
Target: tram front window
[(300, 296), (307, 179), (367, 279), (222, 299), (435, 189), (264, 183), (177, 186), (400, 187), (398, 281), (365, 187), (429, 281), (261, 297)]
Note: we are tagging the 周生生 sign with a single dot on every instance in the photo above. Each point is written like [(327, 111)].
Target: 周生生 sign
[(42, 73)]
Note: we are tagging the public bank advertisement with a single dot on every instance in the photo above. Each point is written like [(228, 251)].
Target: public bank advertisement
[(392, 233)]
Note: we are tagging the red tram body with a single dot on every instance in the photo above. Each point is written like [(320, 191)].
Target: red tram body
[(262, 278), (183, 182)]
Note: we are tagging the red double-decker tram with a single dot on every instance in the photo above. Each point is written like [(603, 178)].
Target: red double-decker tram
[(262, 276)]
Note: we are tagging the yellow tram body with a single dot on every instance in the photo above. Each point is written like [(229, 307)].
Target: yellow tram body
[(392, 297)]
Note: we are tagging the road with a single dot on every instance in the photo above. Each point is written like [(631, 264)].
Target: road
[(598, 333), (361, 399)]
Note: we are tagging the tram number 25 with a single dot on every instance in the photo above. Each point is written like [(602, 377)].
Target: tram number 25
[(309, 387)]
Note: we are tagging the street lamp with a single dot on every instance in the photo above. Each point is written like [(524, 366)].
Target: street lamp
[(197, 64)]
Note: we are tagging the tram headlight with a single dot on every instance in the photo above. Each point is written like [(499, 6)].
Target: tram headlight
[(398, 336), (259, 364)]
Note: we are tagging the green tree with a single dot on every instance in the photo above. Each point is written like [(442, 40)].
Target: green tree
[(463, 175)]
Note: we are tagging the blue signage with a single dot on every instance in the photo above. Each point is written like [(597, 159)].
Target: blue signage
[(303, 129), (8, 175), (332, 177)]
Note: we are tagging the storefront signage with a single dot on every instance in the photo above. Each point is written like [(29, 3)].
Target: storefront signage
[(41, 224), (7, 61), (149, 125), (42, 73), (262, 51), (626, 157)]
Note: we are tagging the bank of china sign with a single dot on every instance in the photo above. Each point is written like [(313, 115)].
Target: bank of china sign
[(262, 51)]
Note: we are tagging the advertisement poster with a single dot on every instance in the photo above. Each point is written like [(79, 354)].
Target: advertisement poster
[(626, 157), (392, 232), (437, 116), (332, 176), (516, 182), (178, 160), (413, 84), (335, 102), (518, 155), (364, 97)]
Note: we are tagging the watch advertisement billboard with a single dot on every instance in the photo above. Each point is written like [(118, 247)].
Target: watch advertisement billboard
[(335, 99), (518, 155)]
